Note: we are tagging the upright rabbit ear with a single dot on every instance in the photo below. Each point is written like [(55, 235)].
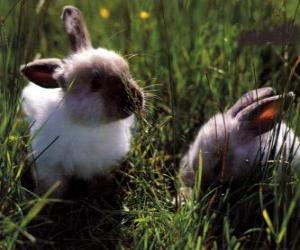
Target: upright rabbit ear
[(249, 98), (42, 72), (262, 115), (76, 29)]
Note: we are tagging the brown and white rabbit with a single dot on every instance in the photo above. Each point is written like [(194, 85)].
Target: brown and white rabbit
[(81, 109), (231, 143)]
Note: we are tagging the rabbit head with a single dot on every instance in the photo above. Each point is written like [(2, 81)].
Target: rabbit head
[(96, 83), (229, 143)]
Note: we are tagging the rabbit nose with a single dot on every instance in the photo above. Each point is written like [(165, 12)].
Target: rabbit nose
[(132, 102)]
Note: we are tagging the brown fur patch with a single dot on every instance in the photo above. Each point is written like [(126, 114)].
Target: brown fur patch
[(75, 28)]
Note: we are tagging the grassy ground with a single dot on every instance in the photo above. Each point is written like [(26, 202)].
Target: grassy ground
[(187, 57)]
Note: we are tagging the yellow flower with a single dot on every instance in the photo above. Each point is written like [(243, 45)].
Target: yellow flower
[(104, 13), (144, 14)]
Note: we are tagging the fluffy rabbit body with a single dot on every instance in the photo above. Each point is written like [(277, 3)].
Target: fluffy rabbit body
[(81, 109), (229, 144)]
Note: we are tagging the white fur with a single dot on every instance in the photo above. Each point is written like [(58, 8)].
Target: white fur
[(243, 150), (78, 150), (82, 128), (91, 58), (79, 68)]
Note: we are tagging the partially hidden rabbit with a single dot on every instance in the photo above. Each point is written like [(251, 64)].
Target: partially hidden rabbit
[(81, 109), (229, 145)]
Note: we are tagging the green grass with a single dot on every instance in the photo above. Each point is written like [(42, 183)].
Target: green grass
[(187, 57)]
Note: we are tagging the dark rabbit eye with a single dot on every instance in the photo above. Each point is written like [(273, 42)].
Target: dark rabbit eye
[(95, 85)]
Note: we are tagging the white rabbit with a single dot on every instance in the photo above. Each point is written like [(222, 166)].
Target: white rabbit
[(229, 144), (82, 112)]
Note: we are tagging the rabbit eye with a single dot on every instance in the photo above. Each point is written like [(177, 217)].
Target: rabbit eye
[(95, 85)]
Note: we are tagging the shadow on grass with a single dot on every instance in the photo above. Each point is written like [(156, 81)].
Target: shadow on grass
[(84, 219)]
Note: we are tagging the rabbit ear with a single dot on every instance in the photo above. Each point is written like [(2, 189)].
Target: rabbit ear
[(262, 115), (75, 28), (42, 72), (249, 98)]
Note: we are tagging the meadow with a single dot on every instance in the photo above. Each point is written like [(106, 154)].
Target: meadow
[(188, 57)]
